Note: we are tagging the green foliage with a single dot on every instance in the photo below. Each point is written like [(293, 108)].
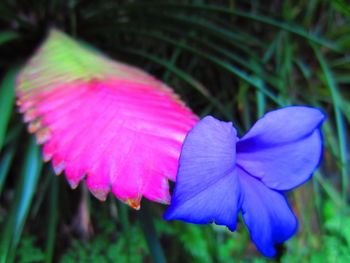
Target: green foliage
[(108, 246), (193, 240), (332, 250), (337, 224), (28, 252), (231, 59)]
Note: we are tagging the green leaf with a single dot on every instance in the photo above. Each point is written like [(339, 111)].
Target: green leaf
[(7, 36), (341, 6), (7, 97), (341, 129), (5, 163), (52, 219), (26, 186)]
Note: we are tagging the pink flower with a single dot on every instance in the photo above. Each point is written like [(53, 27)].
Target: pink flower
[(108, 122)]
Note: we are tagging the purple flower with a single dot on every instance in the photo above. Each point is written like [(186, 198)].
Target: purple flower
[(220, 174)]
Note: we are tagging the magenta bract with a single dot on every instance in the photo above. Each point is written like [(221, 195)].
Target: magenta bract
[(108, 122)]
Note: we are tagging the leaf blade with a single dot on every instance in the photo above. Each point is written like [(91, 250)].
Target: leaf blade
[(24, 194), (7, 97)]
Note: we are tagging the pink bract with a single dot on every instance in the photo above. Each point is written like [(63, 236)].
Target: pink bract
[(98, 119)]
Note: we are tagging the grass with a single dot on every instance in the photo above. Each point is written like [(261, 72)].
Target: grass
[(231, 59)]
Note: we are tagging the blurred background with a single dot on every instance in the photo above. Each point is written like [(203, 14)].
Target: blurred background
[(235, 60)]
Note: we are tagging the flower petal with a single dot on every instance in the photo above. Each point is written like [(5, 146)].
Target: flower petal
[(283, 148), (282, 126), (207, 189), (99, 119), (266, 213)]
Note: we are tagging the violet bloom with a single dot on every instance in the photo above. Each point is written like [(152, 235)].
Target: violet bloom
[(220, 174)]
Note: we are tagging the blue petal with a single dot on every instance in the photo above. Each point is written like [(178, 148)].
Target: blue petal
[(283, 167), (207, 188), (283, 148), (282, 126), (266, 213)]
